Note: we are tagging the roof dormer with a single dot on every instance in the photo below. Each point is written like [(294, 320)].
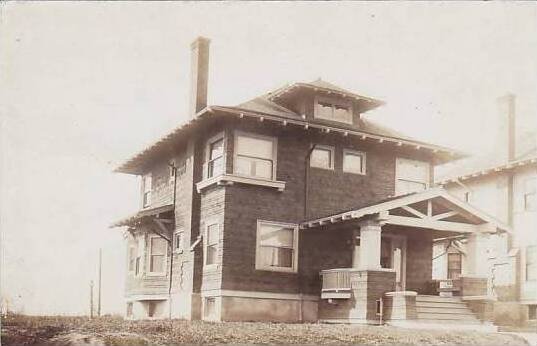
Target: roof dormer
[(323, 100)]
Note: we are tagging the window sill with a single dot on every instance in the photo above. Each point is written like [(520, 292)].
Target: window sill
[(278, 269), (228, 179), (156, 274)]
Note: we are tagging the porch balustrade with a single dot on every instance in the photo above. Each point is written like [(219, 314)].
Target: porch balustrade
[(336, 283)]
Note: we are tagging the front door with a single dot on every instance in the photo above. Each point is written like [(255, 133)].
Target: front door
[(393, 255)]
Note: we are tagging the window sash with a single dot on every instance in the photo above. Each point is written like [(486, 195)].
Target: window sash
[(212, 239), (252, 166), (348, 157), (277, 247), (333, 111), (157, 256), (319, 160)]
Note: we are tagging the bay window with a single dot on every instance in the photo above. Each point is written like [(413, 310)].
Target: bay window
[(255, 156), (212, 235), (215, 157), (157, 255), (277, 246)]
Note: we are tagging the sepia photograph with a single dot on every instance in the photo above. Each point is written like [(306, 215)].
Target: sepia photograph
[(249, 172)]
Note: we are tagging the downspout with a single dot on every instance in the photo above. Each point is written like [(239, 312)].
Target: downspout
[(306, 185), (174, 170)]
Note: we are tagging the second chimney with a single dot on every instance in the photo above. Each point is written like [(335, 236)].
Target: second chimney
[(199, 74)]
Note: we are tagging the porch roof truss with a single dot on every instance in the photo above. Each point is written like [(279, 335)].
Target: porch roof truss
[(432, 209)]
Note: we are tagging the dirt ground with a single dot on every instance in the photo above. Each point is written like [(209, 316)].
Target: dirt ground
[(25, 330)]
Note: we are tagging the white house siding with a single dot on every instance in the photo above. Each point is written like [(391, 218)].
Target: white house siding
[(525, 225)]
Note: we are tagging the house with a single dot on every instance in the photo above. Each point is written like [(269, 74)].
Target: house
[(294, 207), (504, 185)]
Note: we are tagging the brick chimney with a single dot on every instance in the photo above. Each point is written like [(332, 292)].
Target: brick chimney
[(199, 74), (506, 136)]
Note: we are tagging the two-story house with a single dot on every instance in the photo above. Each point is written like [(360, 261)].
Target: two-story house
[(292, 207), (503, 184)]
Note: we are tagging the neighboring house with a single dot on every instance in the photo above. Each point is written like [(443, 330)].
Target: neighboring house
[(503, 185), (292, 207)]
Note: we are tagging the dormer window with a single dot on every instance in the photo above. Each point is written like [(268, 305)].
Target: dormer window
[(333, 109)]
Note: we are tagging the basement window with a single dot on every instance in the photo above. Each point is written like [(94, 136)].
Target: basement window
[(210, 308)]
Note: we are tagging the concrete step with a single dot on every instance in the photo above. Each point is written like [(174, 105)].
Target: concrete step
[(424, 298), (445, 325), (446, 305), (446, 316), (444, 310)]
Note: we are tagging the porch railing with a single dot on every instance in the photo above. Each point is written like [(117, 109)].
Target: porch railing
[(336, 281)]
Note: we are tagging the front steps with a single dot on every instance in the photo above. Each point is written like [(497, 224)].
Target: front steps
[(447, 313)]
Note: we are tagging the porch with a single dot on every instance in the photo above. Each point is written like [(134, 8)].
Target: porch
[(391, 262)]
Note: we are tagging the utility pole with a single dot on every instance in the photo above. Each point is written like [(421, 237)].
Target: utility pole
[(91, 299), (99, 296)]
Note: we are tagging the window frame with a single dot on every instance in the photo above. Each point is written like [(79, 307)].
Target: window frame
[(334, 102), (427, 182), (207, 164), (331, 149), (150, 255), (362, 154), (274, 140), (259, 265), (206, 245), (179, 249), (147, 191)]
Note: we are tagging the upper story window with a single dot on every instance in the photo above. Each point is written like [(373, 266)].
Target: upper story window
[(411, 176), (132, 257), (158, 248), (255, 156), (146, 188), (353, 161), (530, 195), (322, 157), (333, 109), (277, 246), (215, 156)]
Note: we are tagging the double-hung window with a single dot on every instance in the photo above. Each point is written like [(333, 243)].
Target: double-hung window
[(322, 157), (255, 156), (212, 237), (277, 246), (146, 188), (411, 176), (215, 157), (353, 161), (454, 266), (157, 255)]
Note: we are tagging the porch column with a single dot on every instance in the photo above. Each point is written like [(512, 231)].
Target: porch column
[(370, 244), (475, 263)]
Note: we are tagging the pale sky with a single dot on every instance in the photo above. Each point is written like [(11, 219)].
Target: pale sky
[(83, 86)]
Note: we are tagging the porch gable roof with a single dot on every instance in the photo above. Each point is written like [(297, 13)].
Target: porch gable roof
[(434, 208)]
